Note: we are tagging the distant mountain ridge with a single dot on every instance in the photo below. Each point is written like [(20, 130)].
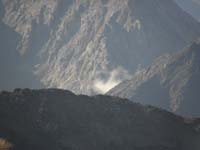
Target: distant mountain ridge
[(86, 46), (53, 119), (172, 82), (191, 6)]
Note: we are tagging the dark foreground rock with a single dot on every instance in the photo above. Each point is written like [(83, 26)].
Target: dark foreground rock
[(59, 120)]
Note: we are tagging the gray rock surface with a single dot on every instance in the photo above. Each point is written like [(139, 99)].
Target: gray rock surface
[(191, 6), (59, 120), (172, 82), (15, 71), (90, 46)]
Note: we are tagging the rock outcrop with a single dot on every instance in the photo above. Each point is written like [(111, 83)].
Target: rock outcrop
[(88, 45), (172, 82)]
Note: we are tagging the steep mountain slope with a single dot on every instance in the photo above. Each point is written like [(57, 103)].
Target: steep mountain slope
[(191, 6), (14, 71), (57, 120), (86, 46), (172, 82)]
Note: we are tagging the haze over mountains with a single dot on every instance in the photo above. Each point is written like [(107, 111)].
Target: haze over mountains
[(191, 6), (172, 82), (59, 120), (16, 70), (90, 46)]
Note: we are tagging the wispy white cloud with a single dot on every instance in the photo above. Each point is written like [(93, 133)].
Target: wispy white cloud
[(115, 77)]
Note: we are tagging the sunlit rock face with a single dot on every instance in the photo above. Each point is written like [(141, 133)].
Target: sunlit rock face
[(57, 119), (172, 82), (90, 46), (26, 15), (15, 70)]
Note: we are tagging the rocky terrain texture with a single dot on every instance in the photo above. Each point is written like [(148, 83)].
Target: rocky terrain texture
[(16, 71), (172, 82), (86, 45), (55, 119), (191, 6)]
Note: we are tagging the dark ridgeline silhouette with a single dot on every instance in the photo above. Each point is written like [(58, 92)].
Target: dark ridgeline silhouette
[(73, 44), (172, 82), (56, 120)]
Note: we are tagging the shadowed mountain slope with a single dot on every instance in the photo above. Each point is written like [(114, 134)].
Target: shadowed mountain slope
[(191, 6), (172, 82), (87, 45), (14, 69), (56, 120)]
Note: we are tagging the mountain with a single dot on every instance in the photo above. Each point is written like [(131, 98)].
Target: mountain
[(191, 6), (172, 82), (91, 46), (15, 70), (57, 119)]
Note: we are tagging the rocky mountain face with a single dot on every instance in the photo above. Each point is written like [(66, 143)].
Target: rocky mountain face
[(191, 6), (90, 46), (16, 71), (56, 120), (172, 82)]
